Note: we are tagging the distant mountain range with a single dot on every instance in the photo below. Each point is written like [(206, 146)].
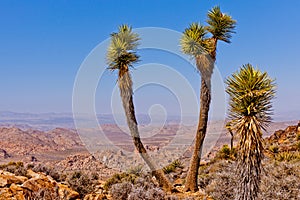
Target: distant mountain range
[(49, 121)]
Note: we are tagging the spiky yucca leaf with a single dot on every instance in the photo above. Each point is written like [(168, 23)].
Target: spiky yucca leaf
[(121, 50), (251, 92), (193, 40), (221, 25)]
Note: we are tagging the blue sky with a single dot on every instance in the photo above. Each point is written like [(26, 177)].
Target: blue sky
[(43, 43)]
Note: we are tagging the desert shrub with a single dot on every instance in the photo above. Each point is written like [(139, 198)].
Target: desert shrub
[(298, 146), (142, 188), (145, 181), (274, 148), (172, 166), (137, 194), (223, 181), (29, 166), (298, 137), (121, 190), (45, 194), (48, 171), (119, 178), (226, 153), (94, 176), (80, 182), (155, 194), (169, 169), (287, 156), (177, 164), (16, 168), (281, 181), (138, 170)]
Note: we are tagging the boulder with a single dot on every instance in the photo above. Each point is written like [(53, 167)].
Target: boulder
[(13, 192), (7, 178), (66, 193), (39, 186)]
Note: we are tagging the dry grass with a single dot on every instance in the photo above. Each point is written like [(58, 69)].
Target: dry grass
[(280, 180)]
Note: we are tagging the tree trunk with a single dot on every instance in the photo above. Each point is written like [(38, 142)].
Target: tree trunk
[(231, 140), (205, 96), (205, 64), (125, 85), (250, 156)]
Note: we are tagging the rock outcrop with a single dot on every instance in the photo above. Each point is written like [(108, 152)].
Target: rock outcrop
[(86, 163), (285, 140), (35, 186)]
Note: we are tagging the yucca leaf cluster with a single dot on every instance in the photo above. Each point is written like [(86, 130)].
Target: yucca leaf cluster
[(195, 39), (121, 52)]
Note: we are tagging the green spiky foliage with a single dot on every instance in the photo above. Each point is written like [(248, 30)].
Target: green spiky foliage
[(193, 40), (121, 52), (221, 25), (197, 42), (121, 55), (250, 109)]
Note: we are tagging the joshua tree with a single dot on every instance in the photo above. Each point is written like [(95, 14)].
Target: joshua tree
[(203, 49), (228, 127), (250, 97), (121, 55)]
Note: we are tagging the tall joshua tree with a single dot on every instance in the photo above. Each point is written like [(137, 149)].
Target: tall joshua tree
[(195, 43), (250, 97), (121, 55)]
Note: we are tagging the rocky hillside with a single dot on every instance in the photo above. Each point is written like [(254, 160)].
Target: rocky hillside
[(14, 141), (285, 140), (86, 163)]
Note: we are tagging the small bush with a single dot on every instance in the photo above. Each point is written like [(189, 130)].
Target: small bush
[(172, 166), (138, 170), (281, 181), (16, 168), (155, 194), (298, 137), (298, 146), (80, 182), (48, 171), (137, 194), (226, 153), (142, 188), (274, 149), (177, 164), (121, 190), (119, 178), (287, 156), (169, 169)]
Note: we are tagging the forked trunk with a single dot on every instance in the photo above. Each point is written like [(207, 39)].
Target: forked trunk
[(125, 85), (205, 64), (191, 179)]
